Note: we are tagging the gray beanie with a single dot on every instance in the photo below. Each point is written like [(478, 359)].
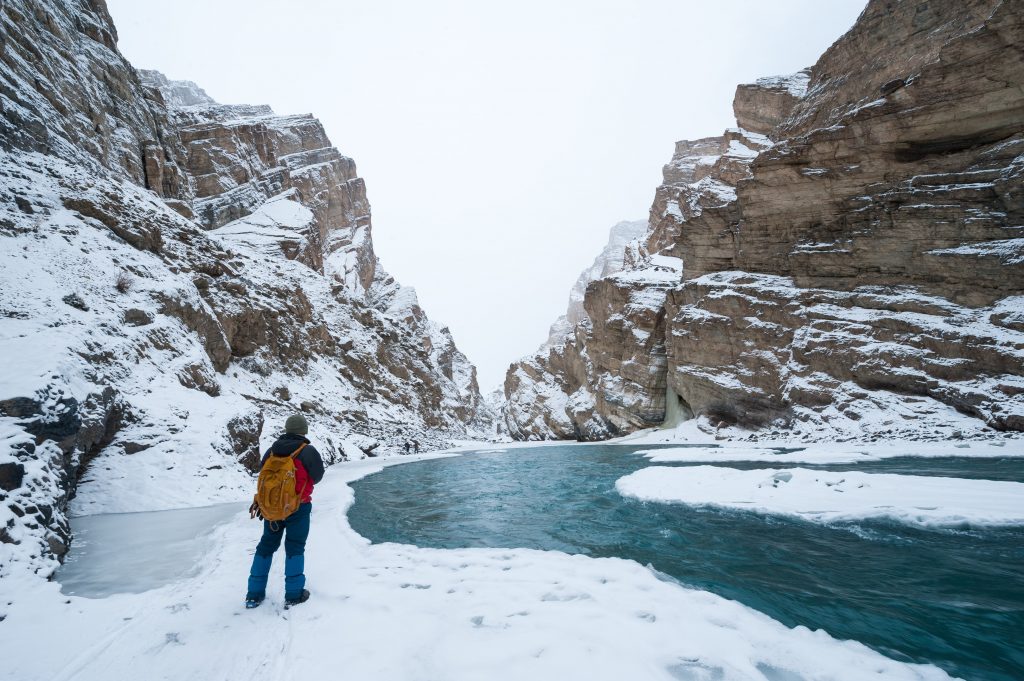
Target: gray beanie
[(296, 424)]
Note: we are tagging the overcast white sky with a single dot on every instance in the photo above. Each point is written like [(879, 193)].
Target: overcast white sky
[(499, 142)]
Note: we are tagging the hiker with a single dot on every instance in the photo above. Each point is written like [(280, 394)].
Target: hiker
[(407, 446), (284, 507), (416, 446)]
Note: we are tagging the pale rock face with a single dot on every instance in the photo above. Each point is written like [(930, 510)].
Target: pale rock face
[(176, 93), (608, 262), (178, 277), (851, 254)]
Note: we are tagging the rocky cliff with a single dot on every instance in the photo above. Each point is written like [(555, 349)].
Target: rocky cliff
[(177, 276), (851, 254)]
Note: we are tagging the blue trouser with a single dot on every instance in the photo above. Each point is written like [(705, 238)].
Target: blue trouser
[(294, 529)]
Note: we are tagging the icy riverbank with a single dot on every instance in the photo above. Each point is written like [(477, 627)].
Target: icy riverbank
[(393, 611), (831, 453)]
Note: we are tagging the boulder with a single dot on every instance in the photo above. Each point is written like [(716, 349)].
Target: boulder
[(11, 475)]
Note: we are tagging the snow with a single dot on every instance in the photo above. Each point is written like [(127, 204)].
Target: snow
[(794, 83), (758, 140), (826, 497), (727, 454), (668, 262), (280, 219), (403, 302), (827, 453), (179, 466), (395, 612), (739, 150), (666, 272), (1010, 251), (710, 189)]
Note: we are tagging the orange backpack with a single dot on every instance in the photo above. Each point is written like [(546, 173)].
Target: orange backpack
[(275, 487)]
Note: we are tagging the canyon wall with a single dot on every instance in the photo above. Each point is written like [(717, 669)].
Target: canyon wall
[(177, 277), (850, 256)]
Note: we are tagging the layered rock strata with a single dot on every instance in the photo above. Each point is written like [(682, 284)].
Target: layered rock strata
[(851, 253), (177, 276)]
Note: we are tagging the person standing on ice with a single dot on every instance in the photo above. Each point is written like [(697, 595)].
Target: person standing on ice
[(288, 472)]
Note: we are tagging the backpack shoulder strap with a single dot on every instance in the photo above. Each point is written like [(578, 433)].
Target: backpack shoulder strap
[(301, 447)]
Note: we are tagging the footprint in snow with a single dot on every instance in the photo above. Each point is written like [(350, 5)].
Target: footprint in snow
[(478, 623), (692, 670), (565, 597)]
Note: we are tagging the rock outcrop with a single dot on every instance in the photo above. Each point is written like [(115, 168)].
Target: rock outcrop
[(852, 252), (177, 276)]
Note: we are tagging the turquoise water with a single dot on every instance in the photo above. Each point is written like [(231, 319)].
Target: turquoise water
[(953, 598)]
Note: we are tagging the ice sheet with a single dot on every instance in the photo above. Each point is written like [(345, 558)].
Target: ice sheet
[(833, 453), (134, 552), (829, 497)]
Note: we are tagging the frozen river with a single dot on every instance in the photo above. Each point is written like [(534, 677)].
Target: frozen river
[(950, 597), (134, 552)]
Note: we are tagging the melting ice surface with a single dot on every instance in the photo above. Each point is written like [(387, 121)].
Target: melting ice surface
[(134, 552), (950, 597)]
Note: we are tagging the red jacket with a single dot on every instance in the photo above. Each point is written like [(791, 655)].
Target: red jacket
[(309, 467)]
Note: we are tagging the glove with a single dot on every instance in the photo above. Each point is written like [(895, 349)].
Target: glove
[(254, 510)]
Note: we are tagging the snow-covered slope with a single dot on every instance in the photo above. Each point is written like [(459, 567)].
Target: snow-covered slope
[(176, 277), (851, 254)]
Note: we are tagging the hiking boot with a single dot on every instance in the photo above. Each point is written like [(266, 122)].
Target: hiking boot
[(253, 602), (295, 600)]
